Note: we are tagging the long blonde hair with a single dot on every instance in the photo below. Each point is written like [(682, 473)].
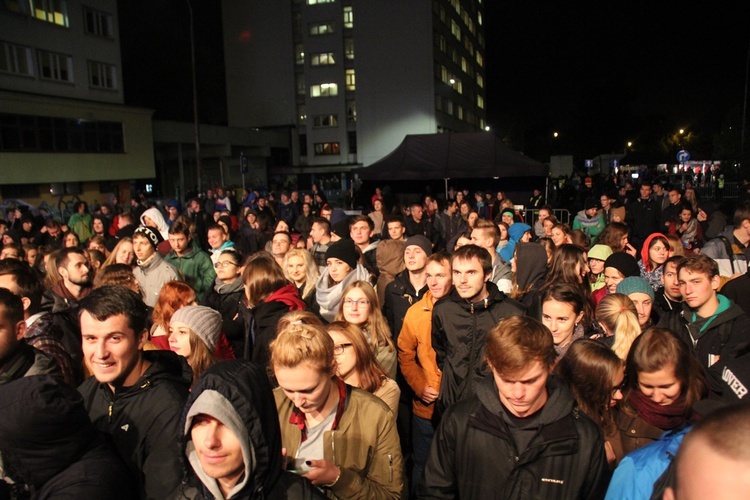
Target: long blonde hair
[(618, 315), (375, 327), (312, 271)]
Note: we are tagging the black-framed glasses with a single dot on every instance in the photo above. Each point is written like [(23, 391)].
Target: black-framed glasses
[(226, 263), (357, 302), (339, 349), (620, 387)]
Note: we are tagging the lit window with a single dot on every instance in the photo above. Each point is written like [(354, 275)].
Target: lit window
[(53, 66), (348, 17), (460, 112), (479, 18), (52, 11), (326, 121), (102, 76), (98, 23), (321, 29), (349, 48), (350, 79), (480, 81), (299, 54), (455, 30), (351, 111), (317, 2), (443, 45), (480, 59), (456, 5), (480, 102), (327, 148), (458, 87), (324, 59), (15, 59), (324, 90), (464, 65)]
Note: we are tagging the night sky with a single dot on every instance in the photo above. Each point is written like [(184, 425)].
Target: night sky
[(611, 72)]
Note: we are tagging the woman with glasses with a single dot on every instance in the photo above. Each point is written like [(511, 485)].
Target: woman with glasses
[(360, 307), (342, 268), (341, 438), (356, 364), (595, 376), (227, 295)]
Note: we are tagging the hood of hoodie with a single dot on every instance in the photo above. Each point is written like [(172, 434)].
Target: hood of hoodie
[(644, 250), (156, 216), (515, 232), (238, 393), (531, 264), (727, 311), (288, 296), (44, 428)]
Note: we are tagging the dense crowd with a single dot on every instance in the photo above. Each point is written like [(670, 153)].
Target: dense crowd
[(446, 348)]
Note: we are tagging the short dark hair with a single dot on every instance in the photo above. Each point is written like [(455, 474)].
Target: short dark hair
[(179, 228), (741, 214), (12, 305), (285, 233), (395, 218), (362, 218), (28, 283), (469, 252), (699, 263), (324, 223), (216, 226), (110, 300), (63, 256)]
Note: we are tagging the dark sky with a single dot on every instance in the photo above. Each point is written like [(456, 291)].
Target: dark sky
[(609, 72)]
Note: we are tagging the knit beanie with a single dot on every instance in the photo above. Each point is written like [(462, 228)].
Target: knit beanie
[(619, 211), (623, 262), (203, 321), (345, 251), (420, 241), (635, 284), (600, 252), (152, 235)]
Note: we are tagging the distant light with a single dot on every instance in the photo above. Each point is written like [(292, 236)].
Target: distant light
[(630, 144), (452, 80), (487, 128), (682, 131), (555, 134)]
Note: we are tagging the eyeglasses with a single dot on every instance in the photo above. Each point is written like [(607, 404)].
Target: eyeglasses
[(339, 349), (358, 302), (620, 387), (226, 263)]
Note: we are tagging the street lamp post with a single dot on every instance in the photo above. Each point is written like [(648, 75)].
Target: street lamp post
[(196, 122)]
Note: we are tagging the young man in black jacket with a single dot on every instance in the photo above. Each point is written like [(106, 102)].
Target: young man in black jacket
[(520, 435)]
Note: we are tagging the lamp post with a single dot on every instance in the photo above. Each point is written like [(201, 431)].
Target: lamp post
[(196, 123)]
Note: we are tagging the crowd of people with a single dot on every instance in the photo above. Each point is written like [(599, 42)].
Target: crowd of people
[(444, 348)]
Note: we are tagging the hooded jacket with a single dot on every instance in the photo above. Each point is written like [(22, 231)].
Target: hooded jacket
[(515, 233), (480, 452), (227, 299), (592, 226), (49, 444), (390, 260), (152, 274), (725, 336), (143, 420), (197, 268), (26, 362), (736, 263), (156, 216), (459, 332), (531, 265), (238, 394)]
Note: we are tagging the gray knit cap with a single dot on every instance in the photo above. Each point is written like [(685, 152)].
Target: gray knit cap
[(204, 321)]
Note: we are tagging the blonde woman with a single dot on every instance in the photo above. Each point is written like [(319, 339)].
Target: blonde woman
[(300, 268), (618, 317)]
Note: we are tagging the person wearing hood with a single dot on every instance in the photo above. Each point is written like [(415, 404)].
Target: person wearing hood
[(529, 272), (153, 218), (342, 268), (50, 446), (460, 323), (589, 220), (716, 327), (134, 396), (152, 270), (520, 435), (269, 295), (654, 254), (231, 444), (516, 232)]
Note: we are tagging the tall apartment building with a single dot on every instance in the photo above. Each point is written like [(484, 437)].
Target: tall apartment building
[(62, 116), (351, 78)]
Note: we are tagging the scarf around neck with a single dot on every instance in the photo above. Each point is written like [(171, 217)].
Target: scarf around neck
[(665, 417)]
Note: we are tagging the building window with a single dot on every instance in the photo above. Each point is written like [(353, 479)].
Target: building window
[(480, 102), (98, 23), (455, 30), (460, 112), (47, 134), (303, 144), (480, 59), (352, 139), (51, 11), (53, 66), (443, 44), (324, 90), (326, 121), (297, 25), (317, 2), (464, 65), (327, 148), (300, 83), (321, 29), (349, 48), (324, 59), (299, 54), (449, 107), (350, 80), (102, 76), (351, 111), (438, 103), (15, 59), (301, 114), (348, 17), (480, 81)]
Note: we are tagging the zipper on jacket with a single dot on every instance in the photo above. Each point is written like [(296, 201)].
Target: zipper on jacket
[(390, 467), (109, 411), (333, 446)]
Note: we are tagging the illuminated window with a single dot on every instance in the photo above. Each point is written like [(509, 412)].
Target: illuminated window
[(299, 54), (327, 148), (349, 48), (480, 102), (460, 112), (350, 79), (324, 59), (480, 59), (326, 121), (98, 23), (52, 11), (324, 90), (53, 66), (102, 76), (321, 29), (455, 29), (348, 17), (15, 59), (480, 80), (317, 2), (464, 65)]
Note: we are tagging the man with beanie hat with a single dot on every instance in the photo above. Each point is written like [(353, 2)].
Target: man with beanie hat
[(589, 220), (152, 270), (617, 267), (201, 320), (642, 295)]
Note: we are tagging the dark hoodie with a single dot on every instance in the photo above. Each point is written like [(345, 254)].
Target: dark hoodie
[(227, 299), (49, 444), (479, 451), (238, 394), (142, 420), (531, 265)]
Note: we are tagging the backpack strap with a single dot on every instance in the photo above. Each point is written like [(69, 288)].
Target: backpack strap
[(730, 252)]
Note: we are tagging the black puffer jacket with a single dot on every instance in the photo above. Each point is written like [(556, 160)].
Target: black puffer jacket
[(142, 420), (400, 295), (227, 299), (459, 333), (242, 389), (475, 453), (49, 444)]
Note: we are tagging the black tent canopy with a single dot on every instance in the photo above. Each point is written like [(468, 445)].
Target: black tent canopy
[(453, 155)]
